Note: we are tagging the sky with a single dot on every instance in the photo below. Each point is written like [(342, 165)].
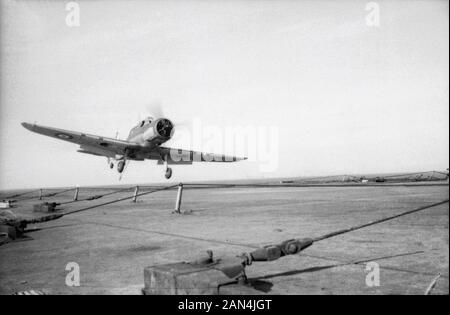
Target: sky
[(323, 91)]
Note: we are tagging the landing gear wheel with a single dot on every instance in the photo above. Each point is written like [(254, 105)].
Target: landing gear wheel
[(111, 165), (120, 166), (168, 173)]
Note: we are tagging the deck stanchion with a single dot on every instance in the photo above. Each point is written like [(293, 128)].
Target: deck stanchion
[(136, 192), (75, 197), (179, 195)]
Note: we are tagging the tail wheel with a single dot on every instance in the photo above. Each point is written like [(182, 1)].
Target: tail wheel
[(168, 173)]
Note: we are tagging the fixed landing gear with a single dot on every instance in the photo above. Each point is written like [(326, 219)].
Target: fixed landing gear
[(120, 166), (168, 169), (110, 162), (168, 173)]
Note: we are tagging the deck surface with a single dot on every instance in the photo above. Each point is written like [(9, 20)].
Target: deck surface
[(112, 244)]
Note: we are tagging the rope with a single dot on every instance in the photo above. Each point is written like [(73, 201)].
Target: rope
[(121, 199), (57, 193), (47, 195), (354, 228), (57, 216), (22, 194), (93, 197)]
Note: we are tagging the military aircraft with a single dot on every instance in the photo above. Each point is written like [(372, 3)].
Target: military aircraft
[(144, 142)]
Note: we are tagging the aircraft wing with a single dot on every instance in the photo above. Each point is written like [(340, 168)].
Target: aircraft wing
[(90, 144), (179, 156)]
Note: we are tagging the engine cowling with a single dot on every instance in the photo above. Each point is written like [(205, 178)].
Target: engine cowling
[(164, 127), (161, 130)]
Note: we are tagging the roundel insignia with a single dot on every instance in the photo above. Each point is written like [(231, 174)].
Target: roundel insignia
[(64, 136)]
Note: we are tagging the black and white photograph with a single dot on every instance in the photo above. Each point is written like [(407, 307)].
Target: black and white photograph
[(224, 153)]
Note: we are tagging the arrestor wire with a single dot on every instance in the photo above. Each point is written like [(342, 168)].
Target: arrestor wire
[(121, 199), (357, 227), (97, 196), (57, 216)]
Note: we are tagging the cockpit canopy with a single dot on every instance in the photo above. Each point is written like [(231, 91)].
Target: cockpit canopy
[(146, 121)]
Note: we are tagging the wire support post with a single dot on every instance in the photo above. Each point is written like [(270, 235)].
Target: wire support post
[(178, 201)]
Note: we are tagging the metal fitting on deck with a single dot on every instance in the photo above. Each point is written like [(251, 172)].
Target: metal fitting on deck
[(273, 252)]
